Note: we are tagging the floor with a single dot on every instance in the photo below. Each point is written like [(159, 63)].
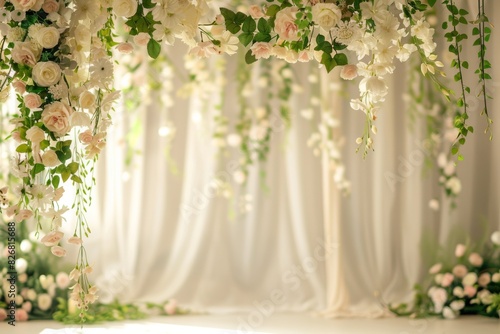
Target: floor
[(275, 324)]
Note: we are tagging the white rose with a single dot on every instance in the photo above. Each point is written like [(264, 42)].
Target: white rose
[(56, 117), (285, 26), (46, 73), (448, 313), (50, 159), (262, 50), (44, 302), (35, 134), (326, 15), (87, 100), (125, 8), (25, 53), (470, 279), (48, 37)]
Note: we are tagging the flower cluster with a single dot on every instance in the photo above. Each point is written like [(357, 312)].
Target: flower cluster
[(470, 284)]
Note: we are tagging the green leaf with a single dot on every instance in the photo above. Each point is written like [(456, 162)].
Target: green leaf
[(264, 26), (154, 48), (148, 4), (249, 57), (23, 148), (328, 61), (431, 2), (232, 27), (73, 167), (340, 59), (38, 168), (454, 150), (261, 37), (76, 179), (44, 144), (227, 14), (55, 181), (272, 10), (249, 25), (246, 38), (65, 175), (240, 18)]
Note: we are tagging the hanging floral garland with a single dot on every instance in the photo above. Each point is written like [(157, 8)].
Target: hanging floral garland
[(58, 57)]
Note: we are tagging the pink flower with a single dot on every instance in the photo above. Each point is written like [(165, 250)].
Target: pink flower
[(484, 279), (255, 12), (25, 53), (23, 215), (56, 117), (75, 240), (27, 306), (19, 86), (86, 137), (142, 39), (447, 279), (475, 259), (460, 250), (50, 6), (262, 50), (125, 48), (435, 268), (62, 280), (171, 307), (32, 101), (470, 291), (58, 193), (52, 238), (16, 136), (285, 26), (305, 56), (58, 251), (21, 315), (460, 270), (3, 314), (349, 72)]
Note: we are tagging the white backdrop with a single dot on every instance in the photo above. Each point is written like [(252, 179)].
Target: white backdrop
[(146, 250)]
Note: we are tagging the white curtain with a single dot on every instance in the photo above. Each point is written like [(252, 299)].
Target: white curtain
[(273, 258)]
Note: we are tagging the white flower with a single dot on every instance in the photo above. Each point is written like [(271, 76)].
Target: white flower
[(285, 25), (52, 238), (42, 195), (457, 305), (434, 204), (262, 50), (46, 73), (458, 292), (4, 15), (44, 302), (85, 9), (58, 251), (495, 277), (25, 246), (349, 72), (62, 280), (21, 265), (326, 15), (495, 238), (50, 159), (79, 119), (454, 185), (125, 8), (18, 15), (448, 313), (438, 296), (233, 139), (485, 297), (35, 134), (469, 279), (228, 43), (48, 37), (102, 72), (16, 34)]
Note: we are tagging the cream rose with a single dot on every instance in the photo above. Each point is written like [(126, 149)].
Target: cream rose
[(349, 72), (26, 5), (255, 12), (48, 37), (262, 50), (56, 117), (50, 6), (125, 8), (87, 100), (326, 15), (32, 101), (50, 159), (142, 39), (46, 73), (86, 137), (35, 134), (19, 86), (25, 53), (285, 26)]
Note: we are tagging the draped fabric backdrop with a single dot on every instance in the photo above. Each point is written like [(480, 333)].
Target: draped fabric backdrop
[(147, 248)]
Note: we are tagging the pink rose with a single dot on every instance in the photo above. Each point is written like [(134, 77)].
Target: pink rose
[(475, 259), (171, 307), (26, 5), (32, 101), (52, 238), (19, 86), (27, 306), (58, 251), (460, 270), (285, 26), (255, 12), (50, 6), (305, 56), (460, 250), (470, 291), (484, 279), (435, 268), (262, 50), (142, 39), (25, 53), (86, 137), (21, 315), (56, 117), (125, 48), (203, 49), (349, 72), (3, 314), (447, 279)]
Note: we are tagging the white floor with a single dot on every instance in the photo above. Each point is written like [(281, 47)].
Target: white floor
[(276, 324)]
